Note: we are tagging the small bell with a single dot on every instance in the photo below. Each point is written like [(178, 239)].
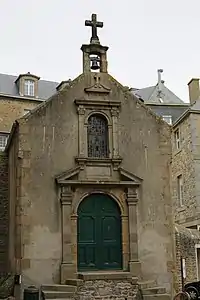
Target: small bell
[(95, 63)]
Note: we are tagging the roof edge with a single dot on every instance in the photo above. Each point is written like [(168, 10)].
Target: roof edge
[(182, 117), (13, 129), (22, 97), (27, 75), (185, 114), (44, 103), (168, 104)]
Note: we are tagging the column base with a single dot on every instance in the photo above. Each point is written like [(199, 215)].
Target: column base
[(67, 271), (135, 268)]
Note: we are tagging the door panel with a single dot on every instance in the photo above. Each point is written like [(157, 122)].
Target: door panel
[(99, 234)]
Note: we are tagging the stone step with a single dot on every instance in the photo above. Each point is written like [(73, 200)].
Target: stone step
[(57, 295), (146, 284), (58, 288), (74, 282), (157, 297), (105, 276), (71, 298), (154, 290)]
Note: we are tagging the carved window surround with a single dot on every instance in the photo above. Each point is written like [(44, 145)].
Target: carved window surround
[(109, 109), (98, 103), (82, 161)]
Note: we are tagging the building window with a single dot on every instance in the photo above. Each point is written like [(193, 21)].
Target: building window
[(29, 87), (3, 141), (97, 136), (180, 189), (168, 119), (177, 138)]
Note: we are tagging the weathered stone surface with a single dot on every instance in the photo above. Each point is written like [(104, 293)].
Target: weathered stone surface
[(106, 289), (186, 239), (183, 164), (4, 213), (53, 140), (13, 109), (6, 286), (186, 162)]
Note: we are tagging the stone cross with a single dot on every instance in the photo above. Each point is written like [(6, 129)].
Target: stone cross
[(94, 24)]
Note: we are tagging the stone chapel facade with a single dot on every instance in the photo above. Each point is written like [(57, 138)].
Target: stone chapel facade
[(89, 183)]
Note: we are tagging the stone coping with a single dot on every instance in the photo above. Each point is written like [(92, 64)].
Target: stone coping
[(117, 275)]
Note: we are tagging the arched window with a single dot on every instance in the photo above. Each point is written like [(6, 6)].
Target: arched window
[(97, 135)]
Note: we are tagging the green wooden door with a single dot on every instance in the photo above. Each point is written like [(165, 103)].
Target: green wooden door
[(99, 234)]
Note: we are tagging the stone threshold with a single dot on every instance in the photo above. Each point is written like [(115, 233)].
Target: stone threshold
[(107, 275)]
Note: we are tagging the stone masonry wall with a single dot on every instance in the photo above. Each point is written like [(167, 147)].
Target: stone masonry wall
[(4, 213), (107, 289), (55, 128), (12, 109), (183, 164), (186, 239)]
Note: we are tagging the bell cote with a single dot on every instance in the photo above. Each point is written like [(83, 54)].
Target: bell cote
[(94, 54)]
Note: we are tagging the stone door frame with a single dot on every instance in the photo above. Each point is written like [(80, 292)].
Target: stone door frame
[(95, 212), (71, 195)]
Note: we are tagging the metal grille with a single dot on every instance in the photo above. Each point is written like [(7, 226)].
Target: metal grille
[(97, 137)]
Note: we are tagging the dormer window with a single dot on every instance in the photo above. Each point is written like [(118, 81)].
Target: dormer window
[(29, 87)]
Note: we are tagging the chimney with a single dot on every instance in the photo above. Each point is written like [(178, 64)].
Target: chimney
[(194, 92), (160, 81)]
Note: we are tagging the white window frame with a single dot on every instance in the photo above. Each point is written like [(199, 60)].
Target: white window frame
[(197, 246), (168, 119), (180, 189), (3, 141), (29, 87), (177, 138)]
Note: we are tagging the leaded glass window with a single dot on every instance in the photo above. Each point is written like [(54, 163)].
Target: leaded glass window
[(97, 136)]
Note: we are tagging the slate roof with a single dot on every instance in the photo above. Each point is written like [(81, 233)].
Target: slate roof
[(46, 89), (151, 95), (194, 108), (9, 87)]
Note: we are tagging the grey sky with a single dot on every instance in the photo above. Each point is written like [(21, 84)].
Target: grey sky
[(45, 36)]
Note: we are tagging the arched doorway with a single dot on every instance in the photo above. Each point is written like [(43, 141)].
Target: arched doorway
[(99, 234)]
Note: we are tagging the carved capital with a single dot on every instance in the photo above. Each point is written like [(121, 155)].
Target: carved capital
[(81, 110), (66, 195), (74, 217), (132, 196), (114, 112)]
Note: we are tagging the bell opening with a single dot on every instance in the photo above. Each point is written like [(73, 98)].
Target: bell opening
[(94, 63)]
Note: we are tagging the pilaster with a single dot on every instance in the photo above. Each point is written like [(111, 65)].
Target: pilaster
[(67, 266), (81, 130), (114, 114), (132, 200)]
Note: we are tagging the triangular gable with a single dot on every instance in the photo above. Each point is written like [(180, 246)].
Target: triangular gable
[(71, 177), (98, 88), (128, 176), (67, 175)]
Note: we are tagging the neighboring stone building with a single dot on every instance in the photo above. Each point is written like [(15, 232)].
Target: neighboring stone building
[(187, 255), (89, 188), (185, 163), (4, 213), (185, 170), (162, 100), (18, 95)]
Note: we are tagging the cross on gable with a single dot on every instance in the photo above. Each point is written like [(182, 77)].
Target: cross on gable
[(94, 24)]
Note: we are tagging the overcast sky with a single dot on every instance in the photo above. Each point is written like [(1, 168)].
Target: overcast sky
[(44, 37)]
